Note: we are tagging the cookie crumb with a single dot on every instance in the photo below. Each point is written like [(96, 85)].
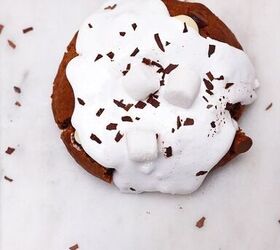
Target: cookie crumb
[(200, 222), (10, 150)]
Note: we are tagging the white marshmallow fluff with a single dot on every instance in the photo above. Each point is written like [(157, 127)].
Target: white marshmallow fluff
[(164, 91)]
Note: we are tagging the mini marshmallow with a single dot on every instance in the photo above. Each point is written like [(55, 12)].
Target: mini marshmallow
[(188, 20), (141, 81), (182, 87), (141, 145)]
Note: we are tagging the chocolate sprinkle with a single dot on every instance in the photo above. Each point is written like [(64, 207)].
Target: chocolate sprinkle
[(111, 55), (154, 102), (170, 68), (135, 52), (112, 126), (26, 30), (269, 106), (189, 122), (111, 7), (213, 124), (99, 56), (99, 112), (134, 26), (8, 179), (179, 124), (127, 119), (210, 76), (10, 150), (122, 33), (17, 89), (228, 85), (90, 25), (205, 98), (12, 44), (1, 28), (185, 28), (211, 50), (168, 151), (81, 101), (118, 137), (201, 173), (200, 223), (159, 43), (95, 138), (140, 105), (120, 104), (75, 247)]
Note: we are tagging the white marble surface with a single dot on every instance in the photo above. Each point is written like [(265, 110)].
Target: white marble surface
[(53, 204)]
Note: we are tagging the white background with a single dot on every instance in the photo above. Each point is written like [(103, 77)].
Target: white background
[(53, 204)]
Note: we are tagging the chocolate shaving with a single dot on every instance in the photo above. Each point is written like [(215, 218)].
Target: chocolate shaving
[(210, 76), (10, 150), (201, 173), (220, 78), (134, 26), (189, 122), (200, 223), (99, 56), (95, 138), (81, 101), (269, 106), (1, 28), (17, 104), (162, 82), (154, 102), (111, 7), (140, 105), (17, 89), (147, 61), (112, 126), (99, 112), (179, 124), (168, 152), (132, 189), (211, 50), (118, 137), (26, 30), (209, 106), (208, 84), (128, 67), (209, 92), (213, 124), (12, 44), (120, 104), (137, 118), (167, 43), (111, 55), (8, 179), (122, 33), (170, 68), (199, 19), (75, 247), (205, 98), (159, 43), (135, 52), (173, 130), (185, 28), (127, 119), (90, 25), (228, 85)]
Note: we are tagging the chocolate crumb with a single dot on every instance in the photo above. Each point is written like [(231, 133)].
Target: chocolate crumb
[(168, 152), (173, 130), (111, 7), (99, 112), (75, 247), (213, 124), (12, 44), (189, 122), (10, 150), (269, 106), (132, 189), (111, 55), (120, 104), (135, 52), (17, 104), (118, 137), (208, 84), (8, 179), (167, 43), (134, 26), (112, 126), (140, 105), (179, 124), (210, 76), (95, 138), (122, 33), (90, 25), (26, 30), (159, 43), (99, 56), (137, 118), (201, 173), (154, 102), (170, 68), (185, 28), (81, 101), (127, 119), (1, 28), (228, 85), (17, 89), (200, 223), (211, 50)]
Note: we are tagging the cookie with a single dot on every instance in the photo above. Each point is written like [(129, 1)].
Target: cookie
[(123, 140)]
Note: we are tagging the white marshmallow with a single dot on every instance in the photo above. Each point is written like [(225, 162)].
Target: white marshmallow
[(182, 87), (141, 145), (141, 81), (188, 20)]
